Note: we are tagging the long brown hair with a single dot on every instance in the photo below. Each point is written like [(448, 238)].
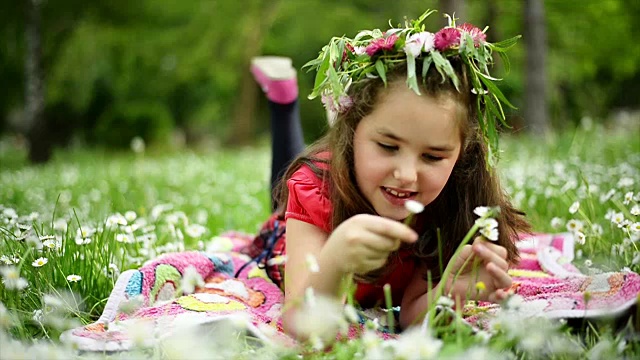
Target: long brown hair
[(450, 215)]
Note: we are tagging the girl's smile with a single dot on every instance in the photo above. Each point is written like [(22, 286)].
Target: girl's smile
[(405, 149)]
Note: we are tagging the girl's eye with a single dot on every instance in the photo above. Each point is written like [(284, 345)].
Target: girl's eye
[(431, 158), (387, 147)]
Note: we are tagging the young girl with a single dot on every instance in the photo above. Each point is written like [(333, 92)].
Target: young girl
[(415, 115)]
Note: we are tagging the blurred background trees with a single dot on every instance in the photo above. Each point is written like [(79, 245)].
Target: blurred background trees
[(102, 72)]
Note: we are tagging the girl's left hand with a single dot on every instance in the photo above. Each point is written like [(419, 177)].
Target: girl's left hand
[(484, 276)]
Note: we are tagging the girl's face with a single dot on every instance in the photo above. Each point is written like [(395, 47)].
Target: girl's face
[(405, 149)]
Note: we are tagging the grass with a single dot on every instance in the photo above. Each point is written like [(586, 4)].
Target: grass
[(68, 212)]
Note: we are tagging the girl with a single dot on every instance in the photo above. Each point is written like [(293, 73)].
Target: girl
[(414, 117)]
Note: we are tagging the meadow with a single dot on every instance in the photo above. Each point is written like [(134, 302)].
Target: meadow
[(69, 228)]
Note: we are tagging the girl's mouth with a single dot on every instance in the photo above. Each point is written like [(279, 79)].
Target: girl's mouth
[(397, 197)]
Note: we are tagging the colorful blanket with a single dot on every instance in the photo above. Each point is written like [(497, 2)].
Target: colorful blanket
[(546, 279)]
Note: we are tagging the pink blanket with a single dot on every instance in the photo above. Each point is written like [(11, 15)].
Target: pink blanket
[(547, 281)]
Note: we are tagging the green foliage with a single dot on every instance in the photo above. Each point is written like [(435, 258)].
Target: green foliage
[(80, 191), (118, 125), (189, 55)]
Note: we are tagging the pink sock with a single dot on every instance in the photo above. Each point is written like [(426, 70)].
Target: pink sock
[(282, 91)]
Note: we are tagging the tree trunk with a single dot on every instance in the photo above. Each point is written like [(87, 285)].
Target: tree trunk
[(452, 7), (40, 145), (244, 113), (535, 107)]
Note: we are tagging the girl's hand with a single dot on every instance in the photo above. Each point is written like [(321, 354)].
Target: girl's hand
[(490, 269), (363, 242)]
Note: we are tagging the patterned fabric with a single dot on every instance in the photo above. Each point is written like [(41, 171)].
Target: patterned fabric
[(549, 284)]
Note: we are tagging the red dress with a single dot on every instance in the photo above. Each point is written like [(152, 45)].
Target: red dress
[(309, 202)]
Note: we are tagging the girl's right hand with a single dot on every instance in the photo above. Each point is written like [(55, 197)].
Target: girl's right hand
[(363, 242)]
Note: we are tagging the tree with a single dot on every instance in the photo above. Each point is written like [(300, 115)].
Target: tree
[(245, 107), (40, 145), (536, 113)]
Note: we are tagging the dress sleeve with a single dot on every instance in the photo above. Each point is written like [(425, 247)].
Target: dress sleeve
[(308, 199)]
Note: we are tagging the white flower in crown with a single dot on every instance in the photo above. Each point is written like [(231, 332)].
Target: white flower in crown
[(419, 42)]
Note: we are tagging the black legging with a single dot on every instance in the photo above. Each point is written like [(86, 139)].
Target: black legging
[(287, 140)]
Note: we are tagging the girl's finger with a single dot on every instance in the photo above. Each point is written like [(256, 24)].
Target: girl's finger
[(498, 296), (391, 229), (380, 243), (501, 278), (498, 249), (488, 256)]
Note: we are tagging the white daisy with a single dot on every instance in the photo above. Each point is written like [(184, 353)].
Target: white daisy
[(556, 222), (628, 197), (312, 263), (130, 216), (74, 278), (574, 225), (481, 211), (51, 244), (39, 262), (11, 278), (574, 207), (413, 206), (195, 230)]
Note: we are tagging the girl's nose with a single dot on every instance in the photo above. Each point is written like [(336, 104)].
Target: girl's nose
[(406, 172)]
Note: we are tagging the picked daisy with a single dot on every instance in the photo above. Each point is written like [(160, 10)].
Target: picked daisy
[(74, 278), (39, 262), (413, 206), (481, 211)]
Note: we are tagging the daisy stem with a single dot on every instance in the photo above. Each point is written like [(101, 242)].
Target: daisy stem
[(449, 267), (389, 302)]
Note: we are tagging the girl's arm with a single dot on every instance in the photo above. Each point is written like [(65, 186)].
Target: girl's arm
[(303, 239), (416, 299), (360, 244)]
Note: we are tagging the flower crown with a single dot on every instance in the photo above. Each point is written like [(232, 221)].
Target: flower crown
[(373, 52)]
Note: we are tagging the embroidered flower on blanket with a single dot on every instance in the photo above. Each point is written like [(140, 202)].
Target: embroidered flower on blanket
[(233, 287)]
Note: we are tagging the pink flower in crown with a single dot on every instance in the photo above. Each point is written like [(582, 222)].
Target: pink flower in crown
[(343, 104), (383, 44), (476, 34), (447, 38), (348, 48), (417, 43)]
